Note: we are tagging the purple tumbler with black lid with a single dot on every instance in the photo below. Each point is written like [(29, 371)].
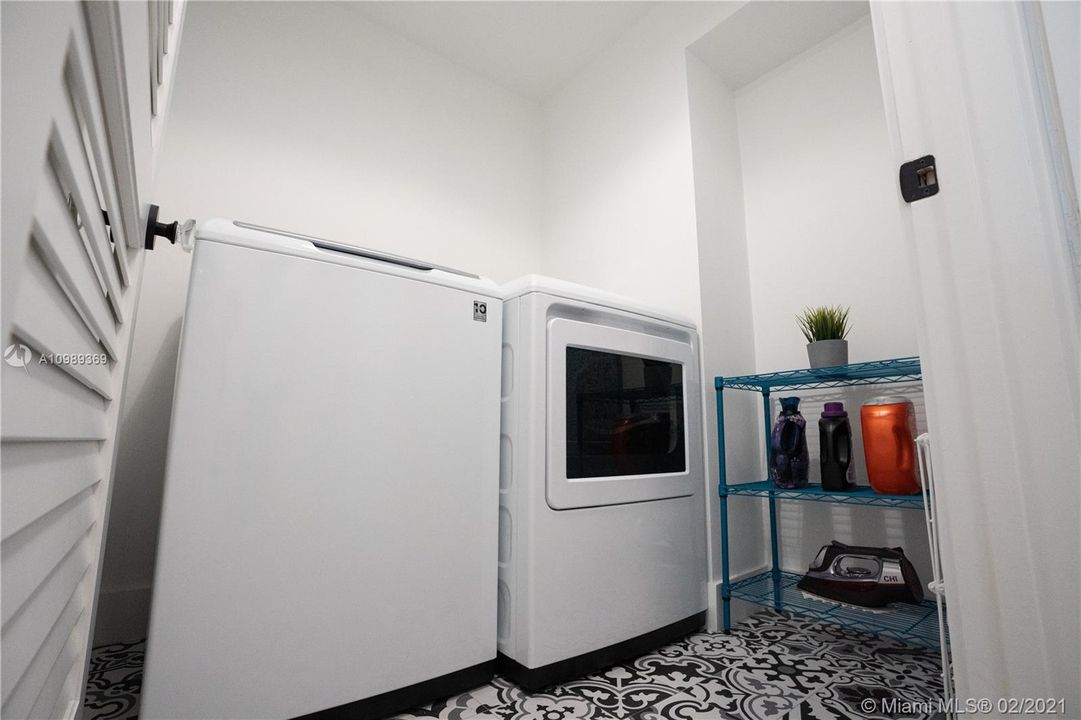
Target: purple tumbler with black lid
[(835, 448), (789, 459)]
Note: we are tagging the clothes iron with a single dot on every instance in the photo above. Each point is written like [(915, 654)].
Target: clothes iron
[(866, 576)]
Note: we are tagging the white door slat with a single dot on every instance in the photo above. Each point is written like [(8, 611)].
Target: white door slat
[(80, 82), (30, 556), (159, 77), (72, 167), (63, 251), (73, 216), (28, 630), (57, 678), (165, 21), (48, 682), (69, 699), (124, 116), (24, 677), (155, 56), (36, 477), (168, 22), (42, 402), (46, 318)]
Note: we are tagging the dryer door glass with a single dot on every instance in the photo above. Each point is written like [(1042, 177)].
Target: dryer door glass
[(624, 415)]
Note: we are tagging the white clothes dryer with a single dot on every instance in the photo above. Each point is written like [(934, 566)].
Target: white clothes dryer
[(602, 513)]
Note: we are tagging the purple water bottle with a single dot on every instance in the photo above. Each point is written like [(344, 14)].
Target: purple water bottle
[(789, 458)]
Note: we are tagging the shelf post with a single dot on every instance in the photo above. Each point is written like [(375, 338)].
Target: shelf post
[(775, 572), (722, 490)]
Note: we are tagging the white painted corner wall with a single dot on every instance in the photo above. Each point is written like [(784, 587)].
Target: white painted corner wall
[(727, 322), (619, 206), (624, 191), (796, 206), (820, 193), (310, 117), (658, 182), (823, 227)]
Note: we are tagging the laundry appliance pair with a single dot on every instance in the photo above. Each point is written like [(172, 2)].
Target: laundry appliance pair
[(343, 423)]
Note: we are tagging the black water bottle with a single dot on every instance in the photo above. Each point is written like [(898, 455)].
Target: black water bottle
[(835, 447)]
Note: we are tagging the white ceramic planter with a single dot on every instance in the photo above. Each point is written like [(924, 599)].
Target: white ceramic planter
[(827, 353)]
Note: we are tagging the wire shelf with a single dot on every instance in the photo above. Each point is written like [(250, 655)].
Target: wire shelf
[(876, 372), (911, 623), (861, 495)]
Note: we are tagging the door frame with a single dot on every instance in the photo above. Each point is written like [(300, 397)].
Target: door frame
[(994, 260)]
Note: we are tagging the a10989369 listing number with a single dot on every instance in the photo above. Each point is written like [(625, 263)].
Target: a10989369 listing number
[(74, 359)]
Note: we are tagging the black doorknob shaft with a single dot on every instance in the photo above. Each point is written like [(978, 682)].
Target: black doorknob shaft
[(155, 228)]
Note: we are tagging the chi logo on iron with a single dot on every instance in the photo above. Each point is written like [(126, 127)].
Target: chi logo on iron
[(480, 311)]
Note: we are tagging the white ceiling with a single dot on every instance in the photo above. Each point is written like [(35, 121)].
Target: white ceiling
[(532, 48), (763, 35)]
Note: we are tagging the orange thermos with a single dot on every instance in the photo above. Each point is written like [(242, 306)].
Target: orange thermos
[(889, 445)]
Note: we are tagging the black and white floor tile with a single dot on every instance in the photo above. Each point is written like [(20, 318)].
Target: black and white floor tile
[(112, 686), (773, 665)]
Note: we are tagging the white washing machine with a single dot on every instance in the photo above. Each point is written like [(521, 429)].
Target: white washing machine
[(329, 527), (602, 514)]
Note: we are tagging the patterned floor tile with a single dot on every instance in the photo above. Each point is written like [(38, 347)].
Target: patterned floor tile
[(649, 684), (550, 706), (844, 700), (773, 665), (717, 646), (766, 685), (114, 681), (469, 705)]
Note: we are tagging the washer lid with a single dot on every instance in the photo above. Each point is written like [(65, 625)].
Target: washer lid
[(581, 293), (257, 237)]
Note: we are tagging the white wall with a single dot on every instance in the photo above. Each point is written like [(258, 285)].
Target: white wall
[(619, 182), (727, 322), (822, 220), (823, 227), (620, 199), (645, 172), (306, 116)]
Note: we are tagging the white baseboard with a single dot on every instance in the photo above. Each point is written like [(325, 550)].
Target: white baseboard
[(123, 615), (740, 609)]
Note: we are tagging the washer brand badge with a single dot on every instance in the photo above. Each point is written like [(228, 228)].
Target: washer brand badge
[(480, 311)]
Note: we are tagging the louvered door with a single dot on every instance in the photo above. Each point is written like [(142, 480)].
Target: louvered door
[(78, 139)]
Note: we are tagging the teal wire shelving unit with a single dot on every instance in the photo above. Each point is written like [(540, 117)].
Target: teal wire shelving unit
[(912, 623)]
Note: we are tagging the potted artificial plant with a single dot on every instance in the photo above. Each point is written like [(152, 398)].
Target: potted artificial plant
[(825, 328)]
